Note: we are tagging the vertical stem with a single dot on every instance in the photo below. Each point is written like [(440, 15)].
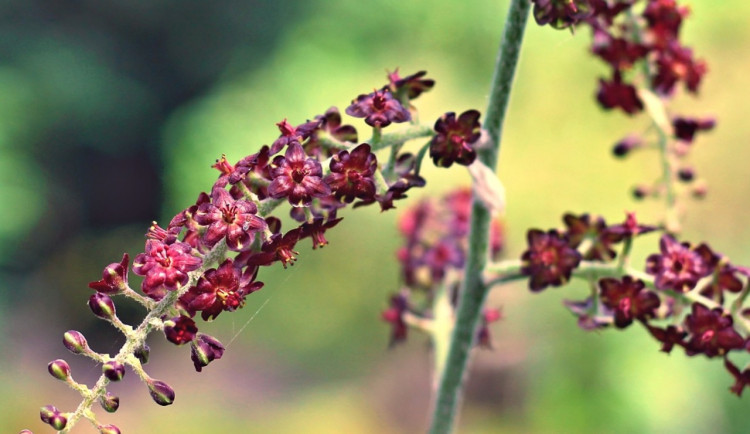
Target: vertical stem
[(474, 290)]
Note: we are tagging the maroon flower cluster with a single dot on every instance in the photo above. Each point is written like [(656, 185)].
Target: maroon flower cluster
[(685, 285), (206, 260), (435, 234)]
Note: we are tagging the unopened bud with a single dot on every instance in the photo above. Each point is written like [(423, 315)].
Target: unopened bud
[(640, 192), (59, 369), (700, 191), (102, 306), (160, 392), (113, 370), (204, 350), (114, 277), (52, 416), (624, 146), (109, 429), (686, 174), (75, 342), (109, 402), (142, 353)]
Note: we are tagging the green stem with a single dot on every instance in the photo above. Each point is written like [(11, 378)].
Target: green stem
[(474, 291)]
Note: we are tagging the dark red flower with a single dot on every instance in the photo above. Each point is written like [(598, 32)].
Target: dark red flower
[(276, 248), (379, 109), (291, 134), (669, 337), (549, 259), (593, 231), (352, 174), (711, 332), (561, 14), (741, 379), (620, 53), (316, 230), (617, 94), (686, 128), (330, 123), (114, 277), (412, 85), (220, 289), (165, 267), (233, 220), (455, 139), (297, 177), (664, 18), (675, 63), (678, 267), (180, 330), (628, 299), (399, 305), (628, 229)]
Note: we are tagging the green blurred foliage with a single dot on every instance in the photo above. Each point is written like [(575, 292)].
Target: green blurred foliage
[(308, 353)]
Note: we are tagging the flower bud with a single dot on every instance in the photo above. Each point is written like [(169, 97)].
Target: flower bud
[(26, 431), (160, 392), (686, 174), (114, 277), (113, 370), (102, 306), (624, 146), (204, 350), (142, 353), (180, 330), (109, 429), (75, 342), (59, 369), (109, 402), (52, 416)]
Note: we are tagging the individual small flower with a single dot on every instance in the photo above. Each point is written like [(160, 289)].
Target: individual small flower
[(291, 134), (394, 315), (379, 109), (664, 18), (620, 53), (617, 94), (102, 306), (711, 332), (316, 230), (53, 417), (483, 334), (276, 248), (561, 14), (669, 337), (330, 123), (204, 350), (686, 128), (114, 277), (677, 267), (440, 256), (593, 230), (59, 369), (230, 219), (180, 330), (455, 139), (113, 370), (165, 267), (629, 300), (549, 259), (218, 289), (75, 342), (297, 177), (160, 392), (675, 63), (741, 378), (629, 228), (352, 174), (109, 402), (411, 85)]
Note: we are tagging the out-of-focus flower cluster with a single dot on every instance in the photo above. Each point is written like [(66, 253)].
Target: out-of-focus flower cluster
[(432, 261), (689, 296), (205, 261)]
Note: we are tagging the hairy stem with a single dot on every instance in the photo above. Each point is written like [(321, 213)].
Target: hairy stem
[(474, 291)]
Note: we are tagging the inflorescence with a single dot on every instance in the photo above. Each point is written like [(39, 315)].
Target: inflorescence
[(206, 260)]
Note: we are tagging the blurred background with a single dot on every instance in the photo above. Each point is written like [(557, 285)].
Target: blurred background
[(111, 114)]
